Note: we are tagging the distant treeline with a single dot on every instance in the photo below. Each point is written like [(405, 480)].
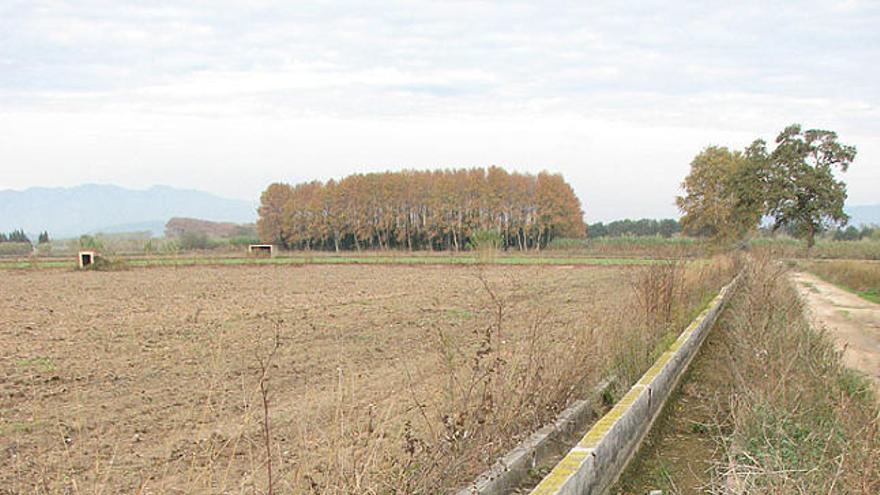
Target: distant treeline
[(443, 209), (180, 226), (196, 234), (644, 227), (20, 237), (852, 233), (669, 227)]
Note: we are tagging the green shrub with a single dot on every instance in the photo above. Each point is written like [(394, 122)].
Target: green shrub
[(102, 264)]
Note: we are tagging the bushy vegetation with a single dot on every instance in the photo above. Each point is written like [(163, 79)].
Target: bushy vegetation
[(800, 422), (786, 247), (15, 248), (421, 210), (728, 193), (852, 233), (105, 264)]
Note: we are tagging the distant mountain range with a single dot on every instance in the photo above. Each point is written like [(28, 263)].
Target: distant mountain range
[(91, 208)]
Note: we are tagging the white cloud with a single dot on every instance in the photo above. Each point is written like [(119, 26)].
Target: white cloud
[(617, 97)]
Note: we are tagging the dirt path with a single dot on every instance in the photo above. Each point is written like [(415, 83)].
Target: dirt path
[(852, 322)]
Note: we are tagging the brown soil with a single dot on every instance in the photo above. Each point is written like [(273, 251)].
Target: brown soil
[(146, 381), (852, 322)]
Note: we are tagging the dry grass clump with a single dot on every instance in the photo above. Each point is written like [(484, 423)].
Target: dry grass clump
[(786, 247), (862, 277), (498, 383), (633, 246), (799, 421), (668, 296)]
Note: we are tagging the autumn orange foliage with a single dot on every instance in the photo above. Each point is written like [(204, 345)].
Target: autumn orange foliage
[(411, 209)]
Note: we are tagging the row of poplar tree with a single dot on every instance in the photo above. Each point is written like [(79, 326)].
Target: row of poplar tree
[(20, 237), (441, 209)]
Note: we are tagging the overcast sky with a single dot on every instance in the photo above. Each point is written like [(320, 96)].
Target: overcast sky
[(230, 96)]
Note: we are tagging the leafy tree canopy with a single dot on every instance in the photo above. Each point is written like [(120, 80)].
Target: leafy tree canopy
[(801, 190), (722, 195), (666, 227), (15, 236), (442, 209), (728, 192)]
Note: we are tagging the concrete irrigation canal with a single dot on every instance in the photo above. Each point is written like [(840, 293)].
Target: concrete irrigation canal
[(597, 460)]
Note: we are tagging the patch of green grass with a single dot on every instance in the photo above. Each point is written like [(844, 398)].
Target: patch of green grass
[(872, 295), (662, 476), (699, 428), (538, 473), (608, 397), (41, 364), (795, 440), (855, 384)]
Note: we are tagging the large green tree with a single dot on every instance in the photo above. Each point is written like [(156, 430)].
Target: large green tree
[(722, 195), (802, 194), (728, 192)]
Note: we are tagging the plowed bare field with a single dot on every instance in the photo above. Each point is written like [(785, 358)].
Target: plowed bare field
[(147, 380)]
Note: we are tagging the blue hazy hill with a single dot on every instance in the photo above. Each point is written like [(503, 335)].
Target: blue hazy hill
[(88, 208)]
